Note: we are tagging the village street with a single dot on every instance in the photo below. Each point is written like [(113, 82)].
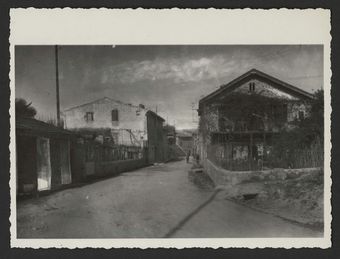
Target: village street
[(150, 203)]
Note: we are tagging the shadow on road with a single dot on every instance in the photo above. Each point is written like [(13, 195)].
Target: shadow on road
[(190, 215)]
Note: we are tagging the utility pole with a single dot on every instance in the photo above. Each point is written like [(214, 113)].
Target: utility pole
[(57, 85)]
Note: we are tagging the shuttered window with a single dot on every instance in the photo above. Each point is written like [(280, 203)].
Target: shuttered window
[(89, 116), (252, 87), (114, 115)]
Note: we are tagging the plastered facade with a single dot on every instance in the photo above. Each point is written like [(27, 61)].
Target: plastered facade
[(130, 129)]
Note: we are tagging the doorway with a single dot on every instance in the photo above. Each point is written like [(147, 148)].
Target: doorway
[(43, 164), (65, 162)]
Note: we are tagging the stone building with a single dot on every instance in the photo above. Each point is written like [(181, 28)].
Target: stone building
[(120, 124), (123, 124), (156, 138), (239, 120)]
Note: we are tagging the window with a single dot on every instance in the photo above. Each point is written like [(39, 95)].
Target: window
[(114, 115), (279, 112), (301, 115), (89, 116), (252, 87)]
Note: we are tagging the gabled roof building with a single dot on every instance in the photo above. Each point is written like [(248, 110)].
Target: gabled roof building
[(238, 120), (120, 123)]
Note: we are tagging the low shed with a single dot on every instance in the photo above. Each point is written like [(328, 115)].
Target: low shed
[(42, 156)]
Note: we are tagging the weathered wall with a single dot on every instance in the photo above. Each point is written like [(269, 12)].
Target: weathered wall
[(209, 119), (26, 162), (208, 123), (295, 194), (130, 117), (233, 179), (156, 142), (60, 162), (273, 116), (294, 108), (77, 157), (215, 118), (115, 167), (264, 89), (93, 160)]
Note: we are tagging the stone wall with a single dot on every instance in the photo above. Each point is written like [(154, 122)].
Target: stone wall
[(116, 167), (294, 194), (222, 177), (157, 143), (264, 89)]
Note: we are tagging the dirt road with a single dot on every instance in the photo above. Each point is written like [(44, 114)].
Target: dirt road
[(150, 203)]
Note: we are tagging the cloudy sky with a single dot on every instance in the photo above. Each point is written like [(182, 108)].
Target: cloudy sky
[(170, 78)]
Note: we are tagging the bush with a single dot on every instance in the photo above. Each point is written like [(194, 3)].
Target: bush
[(303, 145)]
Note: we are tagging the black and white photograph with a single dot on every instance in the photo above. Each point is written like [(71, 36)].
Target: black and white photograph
[(202, 141)]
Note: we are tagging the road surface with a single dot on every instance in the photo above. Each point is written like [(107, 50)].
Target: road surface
[(147, 203)]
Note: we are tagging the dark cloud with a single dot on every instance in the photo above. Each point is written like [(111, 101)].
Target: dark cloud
[(169, 77)]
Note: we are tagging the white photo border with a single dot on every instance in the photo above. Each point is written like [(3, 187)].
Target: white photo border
[(102, 26)]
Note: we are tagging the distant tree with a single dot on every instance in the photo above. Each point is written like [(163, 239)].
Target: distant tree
[(317, 113), (308, 133), (24, 109), (314, 124)]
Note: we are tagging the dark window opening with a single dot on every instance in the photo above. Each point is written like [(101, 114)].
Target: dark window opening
[(114, 115), (301, 115), (252, 87), (89, 116), (279, 112)]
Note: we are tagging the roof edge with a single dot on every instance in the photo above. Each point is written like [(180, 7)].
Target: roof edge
[(155, 114), (261, 74), (84, 104)]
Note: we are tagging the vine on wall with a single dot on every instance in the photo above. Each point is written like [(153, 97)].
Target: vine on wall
[(297, 146)]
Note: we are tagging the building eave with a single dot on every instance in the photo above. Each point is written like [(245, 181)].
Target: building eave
[(155, 115), (100, 99), (254, 73)]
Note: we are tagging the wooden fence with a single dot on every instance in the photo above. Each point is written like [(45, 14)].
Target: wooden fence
[(223, 155)]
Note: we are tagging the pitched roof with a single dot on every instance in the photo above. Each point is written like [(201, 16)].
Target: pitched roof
[(150, 112), (36, 127), (98, 100), (254, 73)]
